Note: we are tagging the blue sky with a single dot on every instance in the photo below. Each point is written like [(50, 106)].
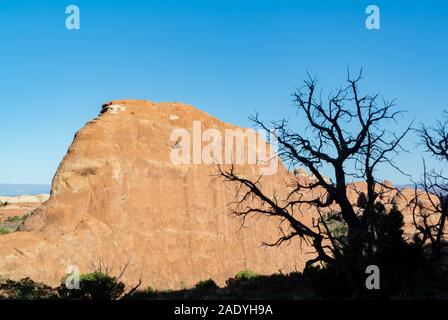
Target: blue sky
[(226, 57)]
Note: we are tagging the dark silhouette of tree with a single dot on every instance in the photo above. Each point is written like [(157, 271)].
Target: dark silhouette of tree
[(431, 205), (347, 133)]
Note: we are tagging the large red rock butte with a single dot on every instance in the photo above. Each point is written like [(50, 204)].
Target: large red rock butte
[(118, 200)]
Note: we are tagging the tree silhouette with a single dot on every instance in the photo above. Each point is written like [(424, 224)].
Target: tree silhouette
[(346, 133), (431, 206)]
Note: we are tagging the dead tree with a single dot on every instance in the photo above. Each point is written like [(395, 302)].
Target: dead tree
[(431, 206), (347, 134), (435, 139)]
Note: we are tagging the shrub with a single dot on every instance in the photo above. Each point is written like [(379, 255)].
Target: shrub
[(246, 275), (148, 293), (335, 224), (4, 231), (14, 219), (94, 286), (26, 289), (208, 284)]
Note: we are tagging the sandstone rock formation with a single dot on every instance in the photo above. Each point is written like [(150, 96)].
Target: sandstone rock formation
[(117, 199)]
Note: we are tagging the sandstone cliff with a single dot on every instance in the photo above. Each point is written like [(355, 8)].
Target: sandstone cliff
[(117, 199)]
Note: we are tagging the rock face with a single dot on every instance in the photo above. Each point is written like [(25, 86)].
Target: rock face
[(118, 200)]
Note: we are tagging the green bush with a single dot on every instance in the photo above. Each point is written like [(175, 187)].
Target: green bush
[(94, 286), (25, 289), (14, 219), (4, 231), (246, 275), (335, 224), (208, 284)]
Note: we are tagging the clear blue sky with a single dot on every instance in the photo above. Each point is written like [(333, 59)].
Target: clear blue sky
[(226, 57)]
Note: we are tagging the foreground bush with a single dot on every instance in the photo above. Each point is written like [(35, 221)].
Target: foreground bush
[(314, 283), (26, 289), (246, 275), (94, 286), (209, 284)]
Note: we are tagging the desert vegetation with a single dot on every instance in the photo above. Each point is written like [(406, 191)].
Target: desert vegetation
[(11, 223), (313, 284)]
